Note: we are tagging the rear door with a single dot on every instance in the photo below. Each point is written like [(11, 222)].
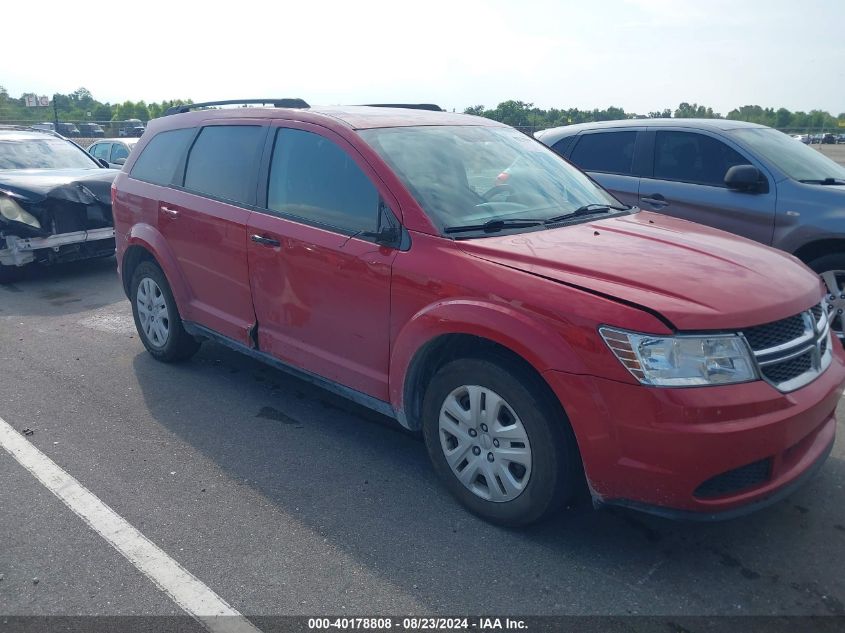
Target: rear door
[(686, 180), (608, 156), (320, 286), (204, 221)]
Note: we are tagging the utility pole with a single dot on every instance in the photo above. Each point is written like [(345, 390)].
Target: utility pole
[(55, 114)]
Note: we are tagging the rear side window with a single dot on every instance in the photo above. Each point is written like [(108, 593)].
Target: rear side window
[(691, 157), (611, 152), (222, 162), (563, 145), (157, 163), (314, 179)]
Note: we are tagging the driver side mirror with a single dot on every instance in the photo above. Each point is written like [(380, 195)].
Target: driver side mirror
[(103, 162), (745, 178)]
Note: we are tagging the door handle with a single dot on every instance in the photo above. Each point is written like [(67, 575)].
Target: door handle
[(265, 241), (169, 212), (655, 200)]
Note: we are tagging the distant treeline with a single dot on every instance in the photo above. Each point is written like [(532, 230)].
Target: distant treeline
[(77, 105), (522, 114)]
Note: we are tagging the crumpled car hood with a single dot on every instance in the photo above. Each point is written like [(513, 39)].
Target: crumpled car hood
[(696, 277), (85, 186)]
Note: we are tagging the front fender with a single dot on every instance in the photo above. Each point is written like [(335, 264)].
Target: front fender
[(148, 237), (530, 336)]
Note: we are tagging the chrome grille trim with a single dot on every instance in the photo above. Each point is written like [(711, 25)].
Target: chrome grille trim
[(815, 341)]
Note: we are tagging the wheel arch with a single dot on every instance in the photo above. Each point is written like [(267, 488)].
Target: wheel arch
[(819, 248), (446, 332), (145, 243)]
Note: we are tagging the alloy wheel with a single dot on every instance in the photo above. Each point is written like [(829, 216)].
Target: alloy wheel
[(834, 280)]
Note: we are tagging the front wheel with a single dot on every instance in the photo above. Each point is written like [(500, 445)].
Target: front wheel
[(831, 268), (498, 442), (157, 318)]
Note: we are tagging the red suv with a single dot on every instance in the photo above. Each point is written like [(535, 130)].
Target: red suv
[(535, 330)]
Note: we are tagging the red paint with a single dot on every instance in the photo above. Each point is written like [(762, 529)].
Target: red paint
[(357, 313)]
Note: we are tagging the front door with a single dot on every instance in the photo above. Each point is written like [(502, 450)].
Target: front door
[(687, 182), (320, 287)]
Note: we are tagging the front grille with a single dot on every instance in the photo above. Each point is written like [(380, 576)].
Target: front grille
[(791, 352), (774, 334), (735, 480), (789, 369)]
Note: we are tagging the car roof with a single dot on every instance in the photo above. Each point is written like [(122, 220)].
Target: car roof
[(553, 135), (14, 133), (355, 117), (131, 140)]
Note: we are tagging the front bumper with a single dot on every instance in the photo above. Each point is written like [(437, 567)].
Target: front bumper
[(19, 251), (659, 449)]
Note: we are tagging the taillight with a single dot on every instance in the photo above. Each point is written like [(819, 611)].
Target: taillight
[(503, 177)]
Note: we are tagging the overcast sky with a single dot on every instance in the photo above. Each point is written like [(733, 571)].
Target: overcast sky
[(641, 55)]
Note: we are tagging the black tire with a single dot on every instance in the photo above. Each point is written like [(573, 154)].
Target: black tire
[(556, 466), (827, 263), (11, 274), (178, 345)]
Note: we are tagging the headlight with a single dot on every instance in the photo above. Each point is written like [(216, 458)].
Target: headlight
[(11, 210), (682, 361)]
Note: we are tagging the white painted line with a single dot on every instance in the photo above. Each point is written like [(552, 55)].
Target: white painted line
[(199, 601)]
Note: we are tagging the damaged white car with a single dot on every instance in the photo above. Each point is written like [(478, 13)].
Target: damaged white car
[(55, 202)]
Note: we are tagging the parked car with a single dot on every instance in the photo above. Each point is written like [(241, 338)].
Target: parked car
[(131, 128), (68, 129), (804, 138), (828, 139), (740, 177), (46, 126), (91, 130), (113, 150), (536, 330), (840, 139), (55, 203)]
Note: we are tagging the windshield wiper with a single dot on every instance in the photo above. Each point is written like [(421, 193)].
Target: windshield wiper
[(494, 226), (587, 209), (823, 181)]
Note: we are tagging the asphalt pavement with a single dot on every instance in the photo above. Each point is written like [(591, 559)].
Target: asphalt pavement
[(284, 499)]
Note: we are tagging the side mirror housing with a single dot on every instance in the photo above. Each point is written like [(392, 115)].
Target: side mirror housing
[(745, 178), (103, 163)]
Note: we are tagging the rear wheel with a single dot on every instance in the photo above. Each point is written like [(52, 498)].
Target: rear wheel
[(831, 268), (498, 442), (157, 318)]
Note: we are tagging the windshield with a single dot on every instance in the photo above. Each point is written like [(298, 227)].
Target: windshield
[(796, 160), (46, 153), (463, 175)]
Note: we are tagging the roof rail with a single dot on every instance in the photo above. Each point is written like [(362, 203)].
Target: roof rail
[(408, 106), (276, 103)]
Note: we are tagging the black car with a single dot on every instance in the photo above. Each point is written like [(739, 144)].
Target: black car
[(829, 139), (91, 130), (55, 201)]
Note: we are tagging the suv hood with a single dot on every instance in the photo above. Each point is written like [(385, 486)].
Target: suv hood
[(35, 185), (697, 277)]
